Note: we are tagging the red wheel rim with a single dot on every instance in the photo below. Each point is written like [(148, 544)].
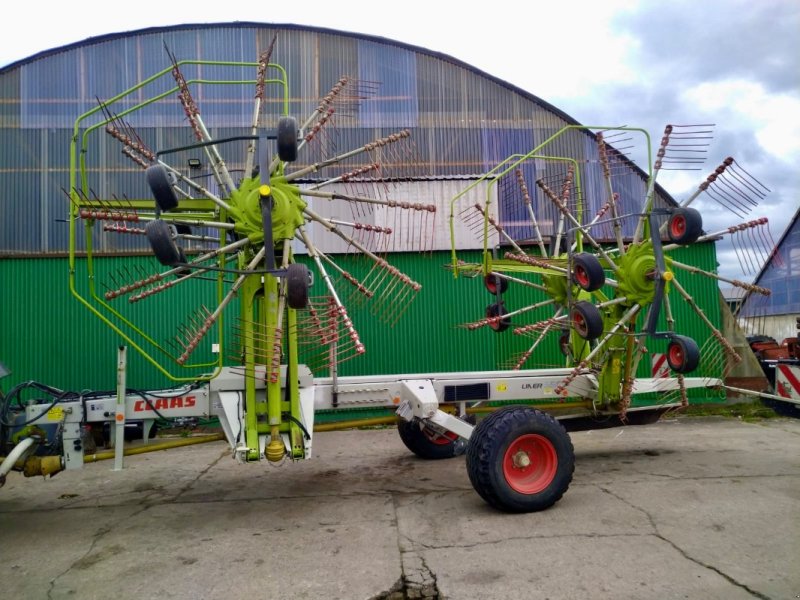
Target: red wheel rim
[(490, 283), (563, 343), (495, 317), (581, 276), (579, 322), (675, 355), (530, 463), (678, 226), (440, 439)]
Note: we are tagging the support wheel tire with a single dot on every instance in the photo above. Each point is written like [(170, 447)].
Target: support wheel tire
[(564, 343), (498, 311), (186, 271), (495, 284), (297, 286), (683, 354), (287, 139), (587, 320), (428, 444), (520, 459), (161, 187), (685, 225), (159, 234), (587, 272)]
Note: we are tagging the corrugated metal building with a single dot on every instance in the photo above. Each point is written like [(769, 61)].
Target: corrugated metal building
[(462, 121), (776, 315)]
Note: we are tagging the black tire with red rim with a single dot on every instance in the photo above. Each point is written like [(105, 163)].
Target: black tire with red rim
[(495, 313), (587, 272), (495, 284), (684, 226), (587, 320), (426, 443), (683, 354), (564, 343), (520, 459)]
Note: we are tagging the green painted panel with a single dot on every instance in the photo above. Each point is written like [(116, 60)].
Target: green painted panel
[(49, 337)]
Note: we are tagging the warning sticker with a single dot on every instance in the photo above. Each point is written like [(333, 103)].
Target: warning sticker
[(55, 414)]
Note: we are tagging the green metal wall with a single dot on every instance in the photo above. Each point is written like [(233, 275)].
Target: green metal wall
[(46, 334)]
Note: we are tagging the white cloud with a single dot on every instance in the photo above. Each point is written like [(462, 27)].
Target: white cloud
[(775, 119)]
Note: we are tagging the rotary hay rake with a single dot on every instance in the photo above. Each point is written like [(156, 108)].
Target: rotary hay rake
[(604, 281), (244, 233), (606, 290)]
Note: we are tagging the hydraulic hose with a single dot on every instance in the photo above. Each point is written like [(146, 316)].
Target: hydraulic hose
[(90, 458), (16, 453)]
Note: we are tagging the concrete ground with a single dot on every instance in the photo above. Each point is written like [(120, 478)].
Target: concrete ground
[(686, 508)]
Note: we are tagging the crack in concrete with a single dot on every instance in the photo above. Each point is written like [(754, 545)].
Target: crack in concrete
[(99, 535), (657, 534), (105, 531), (529, 537), (191, 483), (417, 580), (679, 478)]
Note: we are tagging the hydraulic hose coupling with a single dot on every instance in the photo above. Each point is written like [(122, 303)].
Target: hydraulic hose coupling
[(43, 465)]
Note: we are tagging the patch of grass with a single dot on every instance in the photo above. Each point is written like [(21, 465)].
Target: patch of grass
[(750, 412)]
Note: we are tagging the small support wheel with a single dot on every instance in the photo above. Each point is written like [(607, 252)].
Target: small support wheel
[(426, 443), (495, 284), (587, 320), (520, 459), (186, 271), (564, 343), (160, 184), (287, 139), (159, 234), (683, 354), (684, 226), (496, 312), (587, 272), (297, 284)]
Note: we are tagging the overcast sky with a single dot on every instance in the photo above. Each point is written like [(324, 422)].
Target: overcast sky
[(734, 63)]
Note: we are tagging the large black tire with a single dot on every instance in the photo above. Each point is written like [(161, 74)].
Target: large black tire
[(520, 459), (297, 286), (683, 354), (498, 310), (587, 320), (495, 284), (428, 444), (287, 139), (684, 226), (587, 272), (161, 186), (159, 234)]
